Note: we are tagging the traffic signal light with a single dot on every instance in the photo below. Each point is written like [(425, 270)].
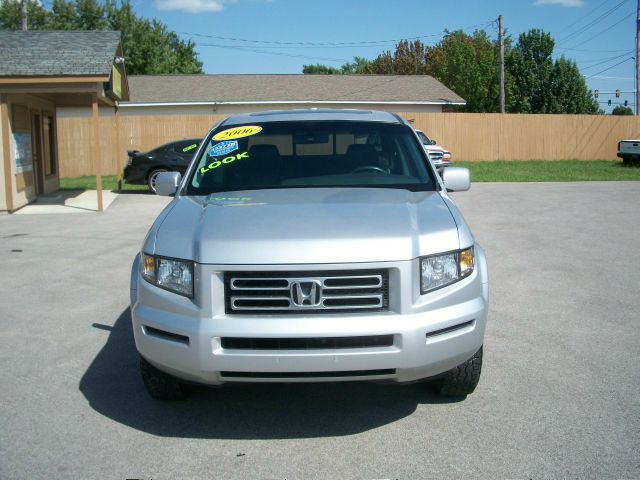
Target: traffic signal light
[(596, 93), (609, 102), (626, 103), (617, 93)]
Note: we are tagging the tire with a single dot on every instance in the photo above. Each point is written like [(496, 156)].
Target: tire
[(151, 178), (160, 385), (461, 380)]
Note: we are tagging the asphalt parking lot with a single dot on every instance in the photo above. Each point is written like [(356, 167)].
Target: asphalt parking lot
[(559, 395)]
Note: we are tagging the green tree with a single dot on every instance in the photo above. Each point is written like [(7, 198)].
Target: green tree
[(469, 65), (10, 15), (90, 15), (381, 65), (149, 46), (350, 68), (409, 58), (569, 92), (62, 16), (621, 110), (530, 64), (542, 85), (358, 65), (319, 69)]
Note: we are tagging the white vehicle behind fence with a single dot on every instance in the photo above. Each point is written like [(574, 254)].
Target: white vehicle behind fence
[(629, 151), (440, 157)]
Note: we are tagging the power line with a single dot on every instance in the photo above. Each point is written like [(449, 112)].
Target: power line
[(586, 15), (588, 50), (600, 77), (282, 54), (281, 44), (609, 68), (593, 23), (331, 44), (280, 47), (610, 59), (605, 30)]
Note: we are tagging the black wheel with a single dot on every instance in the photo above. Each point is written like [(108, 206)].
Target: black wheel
[(151, 178), (461, 380), (160, 385)]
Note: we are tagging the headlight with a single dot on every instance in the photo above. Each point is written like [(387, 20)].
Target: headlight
[(446, 155), (437, 271), (169, 273)]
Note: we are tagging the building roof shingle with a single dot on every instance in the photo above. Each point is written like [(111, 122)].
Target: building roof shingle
[(288, 88), (57, 53)]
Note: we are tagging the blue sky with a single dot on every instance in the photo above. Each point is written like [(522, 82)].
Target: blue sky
[(280, 36)]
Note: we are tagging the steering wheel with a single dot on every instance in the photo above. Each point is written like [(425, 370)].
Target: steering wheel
[(372, 168)]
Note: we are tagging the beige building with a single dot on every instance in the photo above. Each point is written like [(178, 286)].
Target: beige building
[(41, 72)]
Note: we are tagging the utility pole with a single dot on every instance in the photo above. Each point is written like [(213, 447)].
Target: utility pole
[(637, 53), (23, 14), (501, 39)]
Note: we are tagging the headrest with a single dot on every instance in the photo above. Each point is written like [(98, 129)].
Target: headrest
[(264, 151)]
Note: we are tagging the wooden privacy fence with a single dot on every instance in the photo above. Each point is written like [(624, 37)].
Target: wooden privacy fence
[(117, 135), (492, 136), (469, 136)]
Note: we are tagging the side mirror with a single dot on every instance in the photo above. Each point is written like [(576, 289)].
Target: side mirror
[(167, 183), (433, 142), (456, 179)]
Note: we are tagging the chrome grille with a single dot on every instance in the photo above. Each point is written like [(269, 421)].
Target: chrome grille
[(307, 292), (436, 156)]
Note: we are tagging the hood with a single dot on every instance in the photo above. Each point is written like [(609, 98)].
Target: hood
[(307, 225)]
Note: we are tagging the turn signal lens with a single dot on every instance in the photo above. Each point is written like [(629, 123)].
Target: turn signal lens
[(466, 262), (149, 267)]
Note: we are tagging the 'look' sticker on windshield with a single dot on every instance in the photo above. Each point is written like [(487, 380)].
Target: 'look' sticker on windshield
[(237, 132), (225, 161), (223, 148)]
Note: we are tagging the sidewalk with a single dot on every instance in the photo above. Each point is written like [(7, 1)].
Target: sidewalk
[(69, 201)]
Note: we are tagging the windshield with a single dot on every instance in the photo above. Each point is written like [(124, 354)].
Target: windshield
[(310, 154), (423, 138)]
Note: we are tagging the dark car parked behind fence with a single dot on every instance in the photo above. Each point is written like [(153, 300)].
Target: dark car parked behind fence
[(143, 167)]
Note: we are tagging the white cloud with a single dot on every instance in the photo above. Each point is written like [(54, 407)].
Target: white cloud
[(191, 6), (562, 3)]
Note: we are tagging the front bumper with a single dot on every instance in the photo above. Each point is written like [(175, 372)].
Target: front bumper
[(432, 333)]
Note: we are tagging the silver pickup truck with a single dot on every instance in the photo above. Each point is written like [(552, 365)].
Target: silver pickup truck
[(310, 246)]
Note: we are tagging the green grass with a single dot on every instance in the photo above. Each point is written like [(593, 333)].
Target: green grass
[(88, 182), (550, 171), (502, 171)]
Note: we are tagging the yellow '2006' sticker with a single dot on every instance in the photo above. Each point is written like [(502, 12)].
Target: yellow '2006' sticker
[(237, 132)]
